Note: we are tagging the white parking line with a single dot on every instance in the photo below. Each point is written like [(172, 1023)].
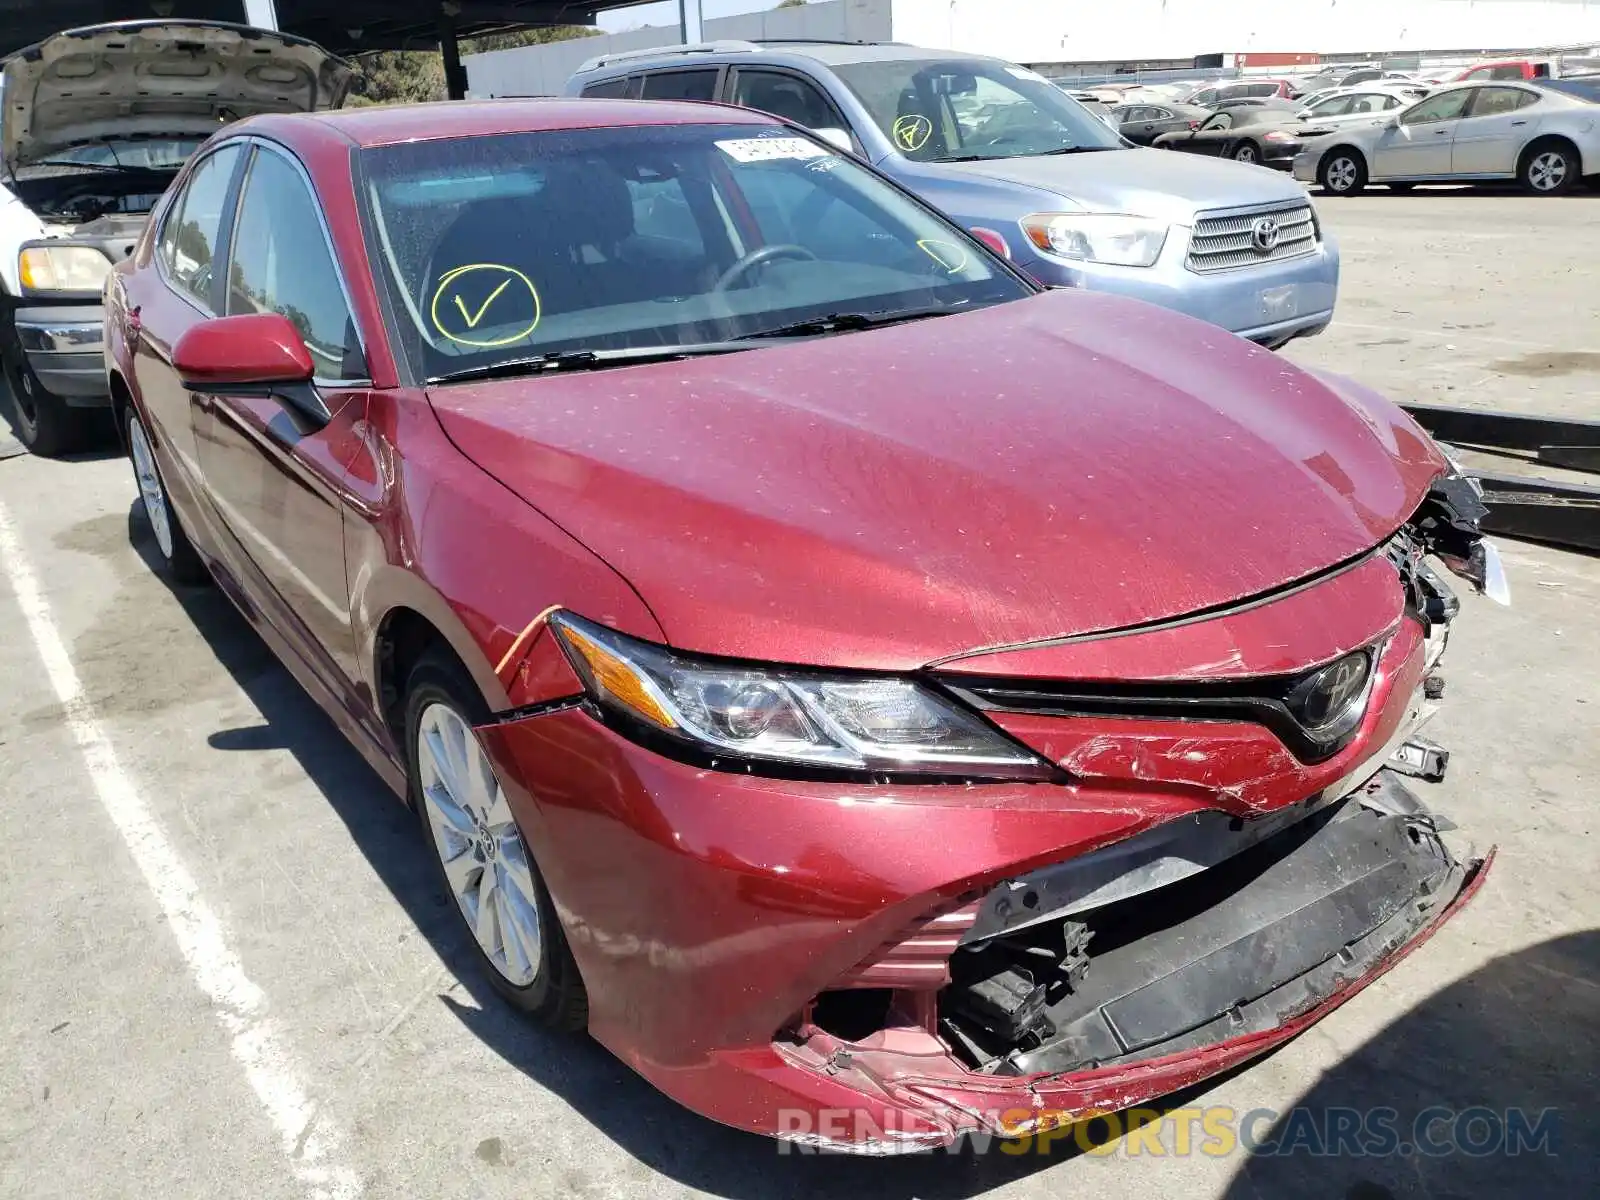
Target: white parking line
[(310, 1141)]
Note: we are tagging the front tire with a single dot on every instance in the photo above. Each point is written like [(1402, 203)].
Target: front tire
[(178, 555), (1343, 172), (45, 423), (483, 860), (1550, 168)]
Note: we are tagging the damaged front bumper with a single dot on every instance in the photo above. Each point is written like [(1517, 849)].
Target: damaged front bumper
[(882, 967)]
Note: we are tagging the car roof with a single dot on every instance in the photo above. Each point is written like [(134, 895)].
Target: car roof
[(386, 124)]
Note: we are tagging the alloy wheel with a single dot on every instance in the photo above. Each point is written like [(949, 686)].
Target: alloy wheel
[(150, 489), (1245, 153), (485, 859), (1342, 174), (1547, 171)]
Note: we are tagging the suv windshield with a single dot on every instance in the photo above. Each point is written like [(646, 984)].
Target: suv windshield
[(968, 110), (497, 248)]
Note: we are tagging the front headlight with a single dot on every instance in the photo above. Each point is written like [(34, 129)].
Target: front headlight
[(1114, 239), (62, 268), (800, 718)]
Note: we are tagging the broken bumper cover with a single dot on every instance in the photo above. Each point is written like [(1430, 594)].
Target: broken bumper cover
[(708, 912), (882, 967)]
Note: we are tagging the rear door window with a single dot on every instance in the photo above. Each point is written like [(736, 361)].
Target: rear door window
[(681, 85), (608, 89), (189, 237), (1493, 101)]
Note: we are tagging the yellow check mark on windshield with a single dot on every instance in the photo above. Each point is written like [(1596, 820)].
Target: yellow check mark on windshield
[(470, 319)]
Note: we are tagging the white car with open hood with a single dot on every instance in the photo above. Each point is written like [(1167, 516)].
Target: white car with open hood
[(97, 122)]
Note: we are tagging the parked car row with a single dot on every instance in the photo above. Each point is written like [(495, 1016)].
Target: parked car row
[(1545, 137)]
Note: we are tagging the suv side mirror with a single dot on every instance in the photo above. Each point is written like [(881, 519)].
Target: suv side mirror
[(839, 139)]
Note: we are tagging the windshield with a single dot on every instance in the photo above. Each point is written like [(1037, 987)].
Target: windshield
[(968, 110), (496, 248)]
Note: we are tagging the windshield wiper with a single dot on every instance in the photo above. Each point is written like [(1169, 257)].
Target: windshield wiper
[(79, 166), (849, 322), (585, 360), (966, 158)]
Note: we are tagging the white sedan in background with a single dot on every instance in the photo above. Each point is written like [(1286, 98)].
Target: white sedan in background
[(1468, 133), (1339, 107)]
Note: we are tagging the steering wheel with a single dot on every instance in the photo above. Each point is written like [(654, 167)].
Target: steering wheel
[(759, 258)]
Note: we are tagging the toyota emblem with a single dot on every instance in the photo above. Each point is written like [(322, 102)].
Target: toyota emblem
[(1265, 234)]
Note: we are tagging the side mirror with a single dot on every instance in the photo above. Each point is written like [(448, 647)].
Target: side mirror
[(1391, 122), (839, 139), (1303, 115), (254, 354)]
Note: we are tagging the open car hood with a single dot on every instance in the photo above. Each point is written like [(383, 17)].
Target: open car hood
[(1061, 465), (157, 79)]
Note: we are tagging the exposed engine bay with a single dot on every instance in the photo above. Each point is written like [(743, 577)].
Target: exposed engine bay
[(105, 208)]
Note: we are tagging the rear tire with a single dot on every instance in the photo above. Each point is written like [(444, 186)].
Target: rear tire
[(482, 858), (1343, 172), (45, 424), (1246, 152), (1549, 168), (182, 562)]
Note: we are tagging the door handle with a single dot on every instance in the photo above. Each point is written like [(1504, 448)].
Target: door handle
[(1440, 132), (1519, 122)]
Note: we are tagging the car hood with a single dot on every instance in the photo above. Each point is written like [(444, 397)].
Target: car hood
[(1149, 183), (1060, 465), (157, 79)]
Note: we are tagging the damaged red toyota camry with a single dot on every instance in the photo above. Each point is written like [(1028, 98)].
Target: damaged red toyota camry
[(836, 673)]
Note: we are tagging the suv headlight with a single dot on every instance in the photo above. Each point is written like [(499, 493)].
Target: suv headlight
[(1115, 239), (738, 714), (62, 267)]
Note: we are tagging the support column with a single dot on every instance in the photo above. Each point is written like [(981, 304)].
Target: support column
[(455, 75), (263, 14), (690, 25)]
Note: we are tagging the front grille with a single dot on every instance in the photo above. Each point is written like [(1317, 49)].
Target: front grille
[(1227, 243)]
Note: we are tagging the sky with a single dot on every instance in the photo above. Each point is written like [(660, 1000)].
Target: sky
[(667, 13)]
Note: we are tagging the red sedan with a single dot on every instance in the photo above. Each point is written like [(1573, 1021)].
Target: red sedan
[(877, 698)]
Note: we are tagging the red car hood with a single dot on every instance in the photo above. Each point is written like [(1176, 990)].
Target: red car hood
[(1054, 466)]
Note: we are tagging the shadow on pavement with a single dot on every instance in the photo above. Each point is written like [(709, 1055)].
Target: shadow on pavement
[(1522, 1032)]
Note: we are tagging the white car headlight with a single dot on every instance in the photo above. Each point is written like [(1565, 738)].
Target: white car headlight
[(1115, 239), (739, 715), (65, 268)]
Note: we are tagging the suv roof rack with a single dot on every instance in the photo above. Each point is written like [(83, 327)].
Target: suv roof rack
[(726, 46)]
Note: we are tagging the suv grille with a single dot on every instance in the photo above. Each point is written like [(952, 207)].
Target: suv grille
[(1226, 243)]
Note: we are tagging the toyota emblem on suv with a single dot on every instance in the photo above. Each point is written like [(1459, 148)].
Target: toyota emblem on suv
[(1264, 234)]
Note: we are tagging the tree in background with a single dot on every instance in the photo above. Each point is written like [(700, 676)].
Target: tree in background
[(409, 76)]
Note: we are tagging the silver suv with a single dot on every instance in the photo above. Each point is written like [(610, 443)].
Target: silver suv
[(1029, 171)]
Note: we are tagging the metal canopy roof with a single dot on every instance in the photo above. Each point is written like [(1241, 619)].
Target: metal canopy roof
[(342, 26)]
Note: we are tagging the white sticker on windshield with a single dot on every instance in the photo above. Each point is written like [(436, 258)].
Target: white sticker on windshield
[(749, 150), (1024, 73)]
